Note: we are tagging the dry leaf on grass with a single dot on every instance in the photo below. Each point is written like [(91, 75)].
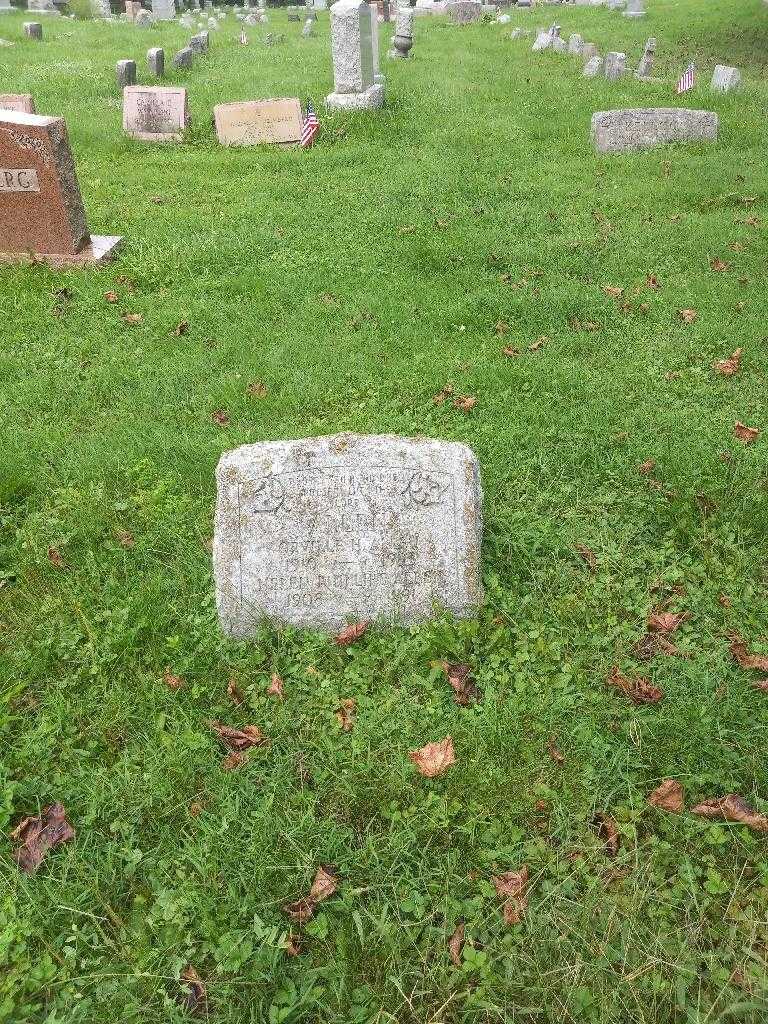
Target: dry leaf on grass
[(554, 753), (131, 318), (465, 403), (607, 832), (501, 327), (292, 945), (171, 681), (761, 684), (651, 644), (510, 887), (652, 281), (110, 296), (732, 808), (743, 658), (238, 739), (324, 885), (637, 688), (346, 714), (456, 944), (125, 538), (233, 760), (465, 692), (56, 559), (718, 265), (744, 433), (38, 834), (234, 692), (588, 555), (669, 796), (510, 351), (647, 467), (687, 315), (434, 759), (350, 633), (613, 292), (443, 395), (257, 389), (181, 328), (665, 622), (276, 686), (193, 997), (220, 418), (728, 367), (539, 343)]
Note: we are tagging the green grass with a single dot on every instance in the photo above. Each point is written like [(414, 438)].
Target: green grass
[(108, 427)]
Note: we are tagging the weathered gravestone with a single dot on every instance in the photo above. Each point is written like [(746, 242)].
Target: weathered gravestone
[(21, 102), (307, 31), (725, 78), (464, 12), (41, 212), (543, 41), (593, 67), (132, 9), (156, 61), (378, 78), (588, 51), (184, 58), (352, 49), (258, 121), (575, 44), (33, 30), (164, 10), (615, 65), (155, 113), (125, 73), (402, 40), (634, 9), (645, 67), (42, 7), (322, 531), (621, 131)]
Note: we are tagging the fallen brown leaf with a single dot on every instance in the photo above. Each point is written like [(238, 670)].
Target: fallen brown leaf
[(464, 403), (501, 327), (647, 467), (588, 555), (639, 689), (220, 418), (510, 351), (234, 692), (131, 318), (434, 759), (193, 996), (732, 808), (350, 633), (465, 692), (171, 681), (746, 434), (238, 739), (539, 343), (652, 281), (443, 395), (56, 559), (234, 760), (687, 315), (110, 296), (196, 808), (665, 622), (724, 600), (301, 911), (743, 658), (614, 293), (607, 832), (510, 887), (554, 753), (728, 367), (346, 714), (37, 834), (292, 945), (181, 328), (257, 389), (125, 538), (669, 796), (456, 944), (276, 686), (324, 885), (761, 684), (718, 265)]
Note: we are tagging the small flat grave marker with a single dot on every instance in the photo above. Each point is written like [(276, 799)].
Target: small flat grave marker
[(258, 121), (21, 102), (155, 113)]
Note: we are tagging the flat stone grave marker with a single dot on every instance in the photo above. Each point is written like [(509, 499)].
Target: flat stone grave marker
[(21, 102), (41, 211), (258, 121), (724, 78), (621, 131), (327, 530), (155, 113)]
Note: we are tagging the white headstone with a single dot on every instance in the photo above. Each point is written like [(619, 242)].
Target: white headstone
[(328, 530), (725, 78), (575, 44), (615, 65)]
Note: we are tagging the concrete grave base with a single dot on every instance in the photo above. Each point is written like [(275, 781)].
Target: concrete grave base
[(371, 99), (101, 250)]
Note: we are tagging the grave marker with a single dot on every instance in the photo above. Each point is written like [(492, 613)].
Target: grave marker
[(156, 61), (155, 113), (125, 73), (725, 78), (322, 531), (259, 121), (21, 102), (352, 50), (621, 131), (33, 30), (41, 211)]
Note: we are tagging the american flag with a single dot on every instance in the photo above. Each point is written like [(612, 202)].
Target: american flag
[(687, 79), (311, 127), (243, 37)]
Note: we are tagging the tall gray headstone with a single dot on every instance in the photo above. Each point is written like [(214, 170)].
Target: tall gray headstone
[(164, 10), (125, 72), (354, 87), (615, 65), (156, 61), (328, 530), (645, 67)]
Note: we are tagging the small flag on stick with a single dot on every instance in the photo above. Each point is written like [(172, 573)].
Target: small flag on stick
[(243, 37), (311, 127), (687, 79)]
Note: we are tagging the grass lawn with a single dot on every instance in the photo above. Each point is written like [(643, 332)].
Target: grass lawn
[(355, 281)]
